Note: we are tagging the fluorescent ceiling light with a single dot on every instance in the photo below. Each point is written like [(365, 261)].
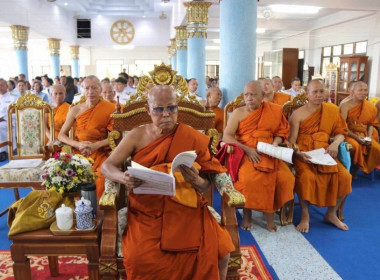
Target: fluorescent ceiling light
[(295, 9), (65, 4), (216, 41), (260, 30), (123, 47), (212, 48)]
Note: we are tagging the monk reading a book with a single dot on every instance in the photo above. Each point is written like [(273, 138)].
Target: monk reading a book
[(266, 182), (169, 237), (361, 118), (312, 126), (92, 120)]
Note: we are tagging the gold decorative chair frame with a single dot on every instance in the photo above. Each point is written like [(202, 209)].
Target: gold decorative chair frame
[(134, 114), (30, 112)]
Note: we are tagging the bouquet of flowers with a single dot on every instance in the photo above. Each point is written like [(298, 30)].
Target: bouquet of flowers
[(65, 172)]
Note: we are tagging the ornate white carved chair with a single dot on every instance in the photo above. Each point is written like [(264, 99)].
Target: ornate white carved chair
[(134, 114), (31, 143)]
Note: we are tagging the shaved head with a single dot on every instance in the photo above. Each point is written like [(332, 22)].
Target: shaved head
[(161, 91), (59, 87)]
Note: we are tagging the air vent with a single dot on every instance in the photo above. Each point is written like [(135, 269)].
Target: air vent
[(83, 28)]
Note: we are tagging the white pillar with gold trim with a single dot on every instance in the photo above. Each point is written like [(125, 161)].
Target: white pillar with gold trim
[(20, 40), (74, 50), (54, 47)]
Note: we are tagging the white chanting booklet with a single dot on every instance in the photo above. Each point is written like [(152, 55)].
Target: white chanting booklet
[(156, 182), (281, 153), (319, 156)]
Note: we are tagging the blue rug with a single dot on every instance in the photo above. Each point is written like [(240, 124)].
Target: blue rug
[(354, 254)]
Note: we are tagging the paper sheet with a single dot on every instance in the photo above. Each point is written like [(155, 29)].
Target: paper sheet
[(155, 182), (281, 153), (319, 156), (22, 163)]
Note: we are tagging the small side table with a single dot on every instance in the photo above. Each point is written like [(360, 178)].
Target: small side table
[(44, 243)]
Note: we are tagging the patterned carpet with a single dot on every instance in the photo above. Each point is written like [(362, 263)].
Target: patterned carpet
[(74, 268)]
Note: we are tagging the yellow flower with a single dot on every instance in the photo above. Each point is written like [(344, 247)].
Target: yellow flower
[(61, 190), (80, 171), (76, 179), (90, 160), (69, 187), (53, 188), (57, 168)]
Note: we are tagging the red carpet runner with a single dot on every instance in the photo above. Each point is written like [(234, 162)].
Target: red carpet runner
[(75, 268)]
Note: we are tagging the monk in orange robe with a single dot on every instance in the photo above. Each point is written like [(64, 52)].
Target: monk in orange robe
[(60, 111), (213, 98), (92, 120), (272, 96), (312, 125), (361, 118), (154, 246), (266, 182)]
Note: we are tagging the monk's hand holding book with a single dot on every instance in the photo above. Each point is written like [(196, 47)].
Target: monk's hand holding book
[(367, 141), (302, 156), (130, 182), (191, 175), (332, 149)]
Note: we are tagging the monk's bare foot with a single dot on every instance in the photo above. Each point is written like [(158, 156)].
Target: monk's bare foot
[(303, 226), (247, 222), (333, 219), (269, 217)]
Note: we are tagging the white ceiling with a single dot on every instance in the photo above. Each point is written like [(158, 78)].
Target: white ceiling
[(277, 25)]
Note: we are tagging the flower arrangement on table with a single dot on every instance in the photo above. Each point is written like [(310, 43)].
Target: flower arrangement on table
[(65, 173)]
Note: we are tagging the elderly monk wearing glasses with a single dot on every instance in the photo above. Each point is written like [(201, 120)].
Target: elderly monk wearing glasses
[(169, 237)]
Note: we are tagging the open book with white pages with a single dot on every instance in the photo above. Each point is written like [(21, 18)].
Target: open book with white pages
[(156, 182), (319, 156)]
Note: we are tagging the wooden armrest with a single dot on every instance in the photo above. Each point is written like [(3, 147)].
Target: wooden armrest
[(290, 146), (225, 187), (112, 136), (3, 144), (230, 149), (108, 201)]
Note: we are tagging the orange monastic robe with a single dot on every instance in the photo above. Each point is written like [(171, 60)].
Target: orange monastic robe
[(164, 238), (219, 118), (93, 125), (269, 184), (321, 185), (358, 120), (281, 98), (60, 114)]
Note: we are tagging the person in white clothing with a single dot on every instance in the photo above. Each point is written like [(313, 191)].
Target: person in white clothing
[(123, 91), (6, 99), (192, 84), (296, 87)]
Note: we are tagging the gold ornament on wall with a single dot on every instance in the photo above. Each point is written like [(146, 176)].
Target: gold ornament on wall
[(122, 32)]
